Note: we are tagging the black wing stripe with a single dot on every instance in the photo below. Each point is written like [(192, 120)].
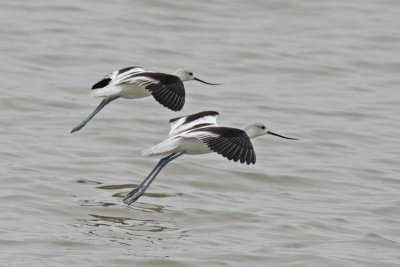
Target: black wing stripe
[(231, 154), (228, 152), (247, 156), (195, 116), (228, 148), (175, 101), (239, 150), (168, 90), (244, 156), (220, 144), (172, 98), (236, 153), (162, 95), (231, 151), (126, 69), (234, 145), (168, 97), (252, 157)]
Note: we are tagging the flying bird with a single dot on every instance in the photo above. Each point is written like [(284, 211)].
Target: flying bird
[(136, 82), (199, 134)]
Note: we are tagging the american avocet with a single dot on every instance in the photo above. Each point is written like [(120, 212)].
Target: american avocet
[(199, 134), (135, 82)]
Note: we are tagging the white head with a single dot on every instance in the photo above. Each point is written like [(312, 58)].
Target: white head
[(258, 129), (255, 129), (187, 75)]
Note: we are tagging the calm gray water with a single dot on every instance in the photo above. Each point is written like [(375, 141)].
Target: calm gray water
[(326, 72)]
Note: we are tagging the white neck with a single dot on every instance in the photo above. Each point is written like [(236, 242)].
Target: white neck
[(250, 131), (253, 131), (181, 74)]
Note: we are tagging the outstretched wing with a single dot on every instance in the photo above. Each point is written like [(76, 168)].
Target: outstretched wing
[(233, 144), (182, 124), (167, 89)]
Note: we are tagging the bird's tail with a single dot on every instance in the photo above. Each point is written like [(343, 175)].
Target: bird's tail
[(93, 93), (166, 147)]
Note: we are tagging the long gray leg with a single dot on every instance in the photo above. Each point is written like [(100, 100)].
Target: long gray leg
[(99, 107), (137, 192)]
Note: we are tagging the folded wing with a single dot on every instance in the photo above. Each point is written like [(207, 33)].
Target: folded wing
[(182, 124), (116, 76)]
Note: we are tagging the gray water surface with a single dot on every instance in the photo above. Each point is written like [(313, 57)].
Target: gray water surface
[(326, 72)]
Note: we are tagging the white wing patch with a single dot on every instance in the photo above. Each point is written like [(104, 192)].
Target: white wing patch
[(175, 126), (180, 125), (198, 134), (142, 81), (118, 78)]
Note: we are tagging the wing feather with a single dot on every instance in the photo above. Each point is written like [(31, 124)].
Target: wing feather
[(182, 124), (233, 144), (167, 89)]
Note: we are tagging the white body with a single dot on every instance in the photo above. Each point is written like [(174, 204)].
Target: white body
[(130, 90), (186, 136), (182, 139), (188, 145), (199, 134), (134, 87)]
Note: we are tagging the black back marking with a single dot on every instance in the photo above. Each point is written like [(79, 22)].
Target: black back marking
[(102, 83), (196, 116), (126, 69)]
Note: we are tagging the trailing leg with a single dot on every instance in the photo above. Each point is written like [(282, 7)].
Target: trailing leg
[(137, 192), (99, 107)]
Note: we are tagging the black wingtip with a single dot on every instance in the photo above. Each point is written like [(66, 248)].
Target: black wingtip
[(173, 105), (177, 109)]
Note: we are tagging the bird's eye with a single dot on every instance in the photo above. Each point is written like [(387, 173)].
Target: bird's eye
[(190, 73), (263, 127)]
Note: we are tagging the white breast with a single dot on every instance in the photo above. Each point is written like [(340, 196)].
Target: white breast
[(193, 146), (131, 91)]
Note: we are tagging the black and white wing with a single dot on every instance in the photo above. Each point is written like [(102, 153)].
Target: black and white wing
[(116, 76), (167, 89), (233, 144), (193, 121)]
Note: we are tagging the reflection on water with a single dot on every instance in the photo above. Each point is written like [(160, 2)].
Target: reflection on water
[(131, 224), (120, 195), (125, 230), (116, 186), (131, 186), (125, 225), (86, 181)]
